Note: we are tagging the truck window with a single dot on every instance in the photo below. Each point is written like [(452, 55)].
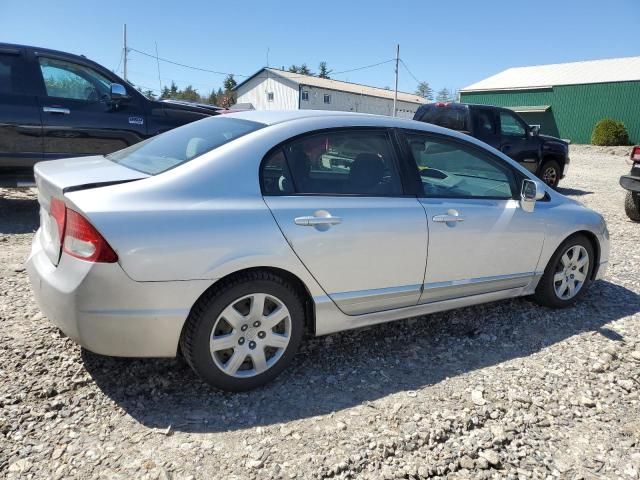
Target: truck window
[(484, 123), (447, 117), (69, 80), (9, 76), (510, 125)]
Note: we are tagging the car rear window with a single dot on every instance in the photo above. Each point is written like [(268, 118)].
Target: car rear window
[(180, 145), (455, 118)]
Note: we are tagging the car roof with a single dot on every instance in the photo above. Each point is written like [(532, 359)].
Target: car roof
[(271, 117)]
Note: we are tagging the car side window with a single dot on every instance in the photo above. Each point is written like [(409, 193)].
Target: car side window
[(10, 77), (276, 177), (346, 162), (450, 169), (511, 126), (64, 79)]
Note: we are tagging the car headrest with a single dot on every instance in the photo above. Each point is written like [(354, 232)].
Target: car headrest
[(366, 171)]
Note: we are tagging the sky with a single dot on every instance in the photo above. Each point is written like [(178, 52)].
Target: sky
[(448, 44)]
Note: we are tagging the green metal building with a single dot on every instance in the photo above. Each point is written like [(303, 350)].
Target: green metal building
[(567, 99)]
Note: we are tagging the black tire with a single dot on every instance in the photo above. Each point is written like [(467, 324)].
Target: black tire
[(632, 206), (197, 331), (545, 291), (550, 173)]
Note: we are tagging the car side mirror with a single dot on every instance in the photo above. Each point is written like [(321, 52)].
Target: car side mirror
[(534, 130), (531, 192), (118, 92)]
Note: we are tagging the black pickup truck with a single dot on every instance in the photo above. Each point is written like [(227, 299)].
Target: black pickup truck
[(503, 129), (55, 105)]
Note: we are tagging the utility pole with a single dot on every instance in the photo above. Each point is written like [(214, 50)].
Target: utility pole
[(395, 94), (126, 51)]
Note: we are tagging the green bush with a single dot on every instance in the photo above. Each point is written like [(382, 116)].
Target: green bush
[(610, 132)]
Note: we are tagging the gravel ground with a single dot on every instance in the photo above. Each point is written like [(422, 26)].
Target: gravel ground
[(505, 390)]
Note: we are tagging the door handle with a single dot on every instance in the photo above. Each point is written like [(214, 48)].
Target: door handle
[(448, 218), (313, 221), (64, 111)]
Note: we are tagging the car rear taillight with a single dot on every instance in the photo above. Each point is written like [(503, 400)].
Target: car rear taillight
[(82, 240), (635, 154), (58, 211), (78, 237)]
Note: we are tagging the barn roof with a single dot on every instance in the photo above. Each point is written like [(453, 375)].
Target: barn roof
[(574, 73), (330, 84)]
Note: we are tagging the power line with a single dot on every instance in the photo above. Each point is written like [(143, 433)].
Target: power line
[(185, 65), (217, 72), (407, 69), (366, 66), (119, 62)]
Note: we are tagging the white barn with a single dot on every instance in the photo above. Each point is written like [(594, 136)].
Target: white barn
[(273, 89)]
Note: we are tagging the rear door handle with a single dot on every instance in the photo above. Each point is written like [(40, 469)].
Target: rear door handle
[(313, 221), (448, 218), (63, 111)]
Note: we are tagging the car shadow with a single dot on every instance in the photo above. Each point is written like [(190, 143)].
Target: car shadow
[(347, 369), (576, 192), (18, 215)]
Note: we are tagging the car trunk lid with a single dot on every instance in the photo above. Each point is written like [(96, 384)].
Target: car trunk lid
[(57, 177)]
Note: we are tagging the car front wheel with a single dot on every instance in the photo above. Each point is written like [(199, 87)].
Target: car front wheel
[(244, 331), (568, 273)]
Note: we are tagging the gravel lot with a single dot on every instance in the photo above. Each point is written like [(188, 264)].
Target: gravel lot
[(505, 390)]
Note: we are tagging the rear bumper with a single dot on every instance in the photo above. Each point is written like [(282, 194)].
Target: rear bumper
[(102, 309), (630, 182)]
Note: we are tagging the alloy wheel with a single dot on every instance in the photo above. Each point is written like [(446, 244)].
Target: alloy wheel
[(550, 176), (250, 335), (571, 272)]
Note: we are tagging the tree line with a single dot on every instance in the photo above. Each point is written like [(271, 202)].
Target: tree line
[(225, 96)]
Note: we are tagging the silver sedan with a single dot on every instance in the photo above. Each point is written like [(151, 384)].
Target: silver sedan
[(229, 239)]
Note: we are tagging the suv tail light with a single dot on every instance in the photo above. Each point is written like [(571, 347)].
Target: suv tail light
[(635, 154), (78, 237)]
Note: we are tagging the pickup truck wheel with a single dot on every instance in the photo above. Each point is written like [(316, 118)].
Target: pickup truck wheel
[(550, 173), (632, 206), (244, 331)]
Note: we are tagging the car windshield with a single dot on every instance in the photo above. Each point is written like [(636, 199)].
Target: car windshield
[(178, 146)]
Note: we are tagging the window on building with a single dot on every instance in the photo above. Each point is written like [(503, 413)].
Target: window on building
[(305, 95), (327, 98), (270, 97)]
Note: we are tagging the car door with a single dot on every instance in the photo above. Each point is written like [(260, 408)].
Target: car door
[(480, 240), (337, 196), (78, 115), (516, 141), (20, 127)]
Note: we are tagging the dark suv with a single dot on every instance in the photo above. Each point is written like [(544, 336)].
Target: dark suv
[(503, 129), (55, 104)]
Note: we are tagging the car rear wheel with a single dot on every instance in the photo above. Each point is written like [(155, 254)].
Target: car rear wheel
[(632, 206), (568, 273), (550, 173), (244, 331)]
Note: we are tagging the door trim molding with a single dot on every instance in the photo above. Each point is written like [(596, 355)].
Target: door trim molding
[(366, 301), (438, 291)]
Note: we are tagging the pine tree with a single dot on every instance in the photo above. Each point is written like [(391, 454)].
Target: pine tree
[(324, 72), (229, 83), (443, 95), (424, 90), (304, 70)]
